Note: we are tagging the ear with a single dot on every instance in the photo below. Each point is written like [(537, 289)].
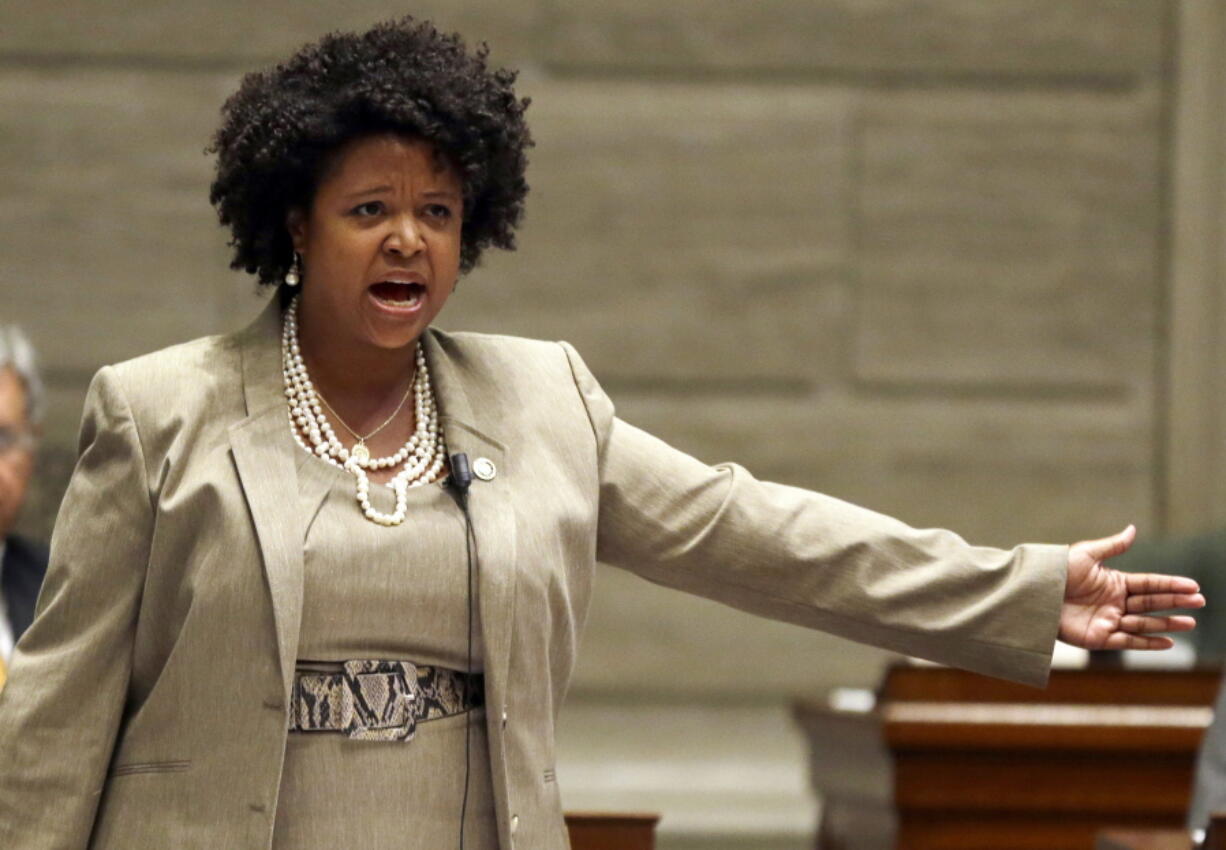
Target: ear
[(296, 225)]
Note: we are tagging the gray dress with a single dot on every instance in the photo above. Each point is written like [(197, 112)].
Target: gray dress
[(397, 593)]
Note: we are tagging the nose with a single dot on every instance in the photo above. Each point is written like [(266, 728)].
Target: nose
[(404, 238)]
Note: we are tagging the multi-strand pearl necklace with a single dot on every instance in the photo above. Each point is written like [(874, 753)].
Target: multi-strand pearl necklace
[(423, 455)]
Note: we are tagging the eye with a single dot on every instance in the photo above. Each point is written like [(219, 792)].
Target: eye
[(12, 437), (442, 212), (370, 208)]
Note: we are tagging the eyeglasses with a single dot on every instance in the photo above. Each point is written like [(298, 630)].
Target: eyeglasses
[(13, 438)]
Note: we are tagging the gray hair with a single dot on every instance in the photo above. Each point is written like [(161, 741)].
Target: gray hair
[(17, 353)]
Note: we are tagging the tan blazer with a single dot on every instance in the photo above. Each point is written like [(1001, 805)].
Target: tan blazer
[(146, 707)]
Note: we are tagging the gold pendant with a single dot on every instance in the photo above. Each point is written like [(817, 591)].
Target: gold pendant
[(360, 452)]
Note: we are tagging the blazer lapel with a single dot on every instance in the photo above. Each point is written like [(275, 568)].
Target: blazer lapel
[(264, 455), (490, 505)]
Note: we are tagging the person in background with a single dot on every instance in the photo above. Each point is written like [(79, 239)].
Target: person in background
[(22, 562)]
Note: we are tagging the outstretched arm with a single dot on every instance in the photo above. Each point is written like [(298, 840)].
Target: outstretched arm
[(1105, 608)]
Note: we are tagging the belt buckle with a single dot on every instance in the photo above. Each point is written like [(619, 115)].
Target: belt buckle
[(378, 702)]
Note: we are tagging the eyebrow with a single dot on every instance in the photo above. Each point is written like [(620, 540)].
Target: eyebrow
[(377, 190), (374, 190)]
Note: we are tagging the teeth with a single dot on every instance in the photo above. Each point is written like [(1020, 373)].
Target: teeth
[(412, 301)]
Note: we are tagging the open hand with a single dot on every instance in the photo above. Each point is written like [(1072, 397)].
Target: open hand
[(1109, 609)]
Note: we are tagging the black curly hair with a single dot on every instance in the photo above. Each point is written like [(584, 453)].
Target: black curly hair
[(281, 127)]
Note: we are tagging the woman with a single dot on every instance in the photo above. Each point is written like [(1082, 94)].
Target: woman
[(264, 533)]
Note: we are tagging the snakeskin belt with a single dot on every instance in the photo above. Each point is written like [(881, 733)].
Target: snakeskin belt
[(380, 700)]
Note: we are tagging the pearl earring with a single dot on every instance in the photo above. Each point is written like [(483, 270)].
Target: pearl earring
[(294, 276)]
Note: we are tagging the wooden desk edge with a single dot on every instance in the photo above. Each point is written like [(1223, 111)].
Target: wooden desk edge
[(613, 817), (1143, 839)]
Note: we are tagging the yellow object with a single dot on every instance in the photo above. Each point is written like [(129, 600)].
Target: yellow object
[(3, 673)]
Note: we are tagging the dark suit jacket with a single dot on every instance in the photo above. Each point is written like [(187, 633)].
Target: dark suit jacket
[(21, 576), (1209, 790)]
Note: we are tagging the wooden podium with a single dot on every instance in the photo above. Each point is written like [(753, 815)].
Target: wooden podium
[(982, 763)]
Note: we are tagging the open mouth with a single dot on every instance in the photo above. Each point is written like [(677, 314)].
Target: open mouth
[(398, 295)]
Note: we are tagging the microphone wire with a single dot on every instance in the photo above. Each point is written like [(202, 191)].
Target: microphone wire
[(468, 549), (461, 478)]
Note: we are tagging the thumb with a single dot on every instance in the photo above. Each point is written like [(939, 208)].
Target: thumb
[(1108, 547)]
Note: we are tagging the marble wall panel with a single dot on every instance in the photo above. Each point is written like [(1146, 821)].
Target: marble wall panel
[(680, 233), (1009, 239), (723, 775), (1099, 39), (110, 247), (233, 32), (996, 470)]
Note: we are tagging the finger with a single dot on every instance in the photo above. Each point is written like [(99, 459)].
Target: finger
[(1157, 583), (1122, 640), (1163, 601), (1134, 624), (1109, 547)]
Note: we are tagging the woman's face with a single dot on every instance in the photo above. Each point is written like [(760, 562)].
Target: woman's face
[(380, 243)]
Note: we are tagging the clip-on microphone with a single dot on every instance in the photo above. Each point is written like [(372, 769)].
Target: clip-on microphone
[(461, 474)]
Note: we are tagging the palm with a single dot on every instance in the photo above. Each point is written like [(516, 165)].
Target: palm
[(1108, 609)]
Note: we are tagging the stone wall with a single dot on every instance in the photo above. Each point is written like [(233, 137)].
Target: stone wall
[(907, 252)]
